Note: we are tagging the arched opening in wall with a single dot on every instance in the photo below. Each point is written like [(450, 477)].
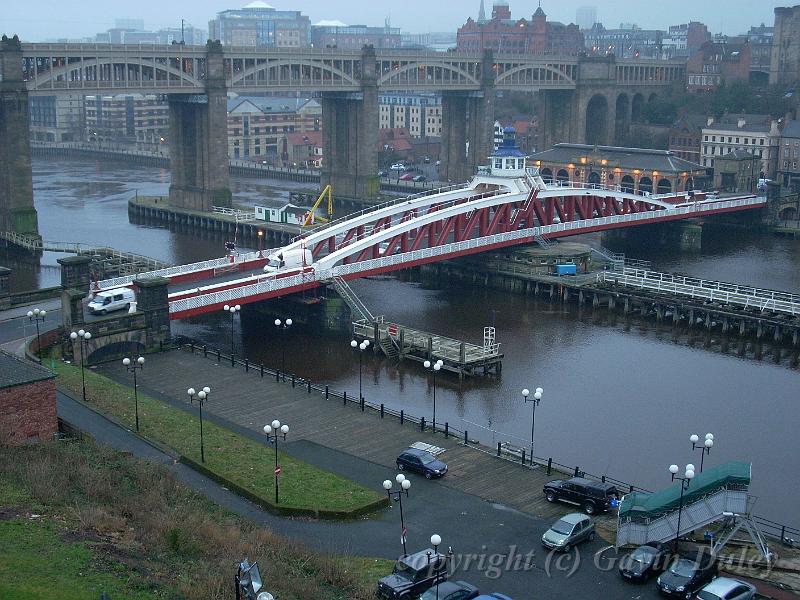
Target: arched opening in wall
[(652, 98), (623, 123), (645, 185), (597, 120), (594, 178), (759, 78), (664, 186), (562, 176), (627, 184), (547, 175), (637, 108), (788, 214), (114, 350)]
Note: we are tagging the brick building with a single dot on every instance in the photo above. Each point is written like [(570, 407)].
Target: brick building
[(736, 172), (685, 135), (505, 35), (717, 62), (760, 39), (305, 149), (126, 117), (27, 401), (788, 172), (629, 41), (421, 114), (685, 40), (335, 34)]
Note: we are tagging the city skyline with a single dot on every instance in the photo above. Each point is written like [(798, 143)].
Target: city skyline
[(84, 19)]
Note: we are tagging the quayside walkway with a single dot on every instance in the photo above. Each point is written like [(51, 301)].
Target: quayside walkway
[(247, 400)]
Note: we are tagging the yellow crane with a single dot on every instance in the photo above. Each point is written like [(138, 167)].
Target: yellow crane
[(327, 192)]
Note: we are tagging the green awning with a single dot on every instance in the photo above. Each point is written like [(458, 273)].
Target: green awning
[(642, 505)]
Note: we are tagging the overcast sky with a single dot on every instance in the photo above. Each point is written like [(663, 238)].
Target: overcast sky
[(40, 19)]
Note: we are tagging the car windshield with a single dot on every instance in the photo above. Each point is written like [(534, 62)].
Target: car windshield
[(562, 527), (683, 567), (404, 570), (642, 555), (427, 458)]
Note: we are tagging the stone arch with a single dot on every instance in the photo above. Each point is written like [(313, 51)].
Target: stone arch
[(562, 176), (664, 186), (594, 178), (637, 108), (597, 120), (120, 348), (627, 184), (788, 214), (623, 119), (645, 185), (547, 175), (652, 98)]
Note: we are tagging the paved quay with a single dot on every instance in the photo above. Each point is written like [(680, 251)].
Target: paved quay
[(247, 401)]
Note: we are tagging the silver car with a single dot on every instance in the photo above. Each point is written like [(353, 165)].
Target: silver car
[(568, 531), (726, 588)]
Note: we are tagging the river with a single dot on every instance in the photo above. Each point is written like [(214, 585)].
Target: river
[(620, 397)]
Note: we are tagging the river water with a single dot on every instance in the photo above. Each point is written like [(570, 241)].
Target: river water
[(620, 397)]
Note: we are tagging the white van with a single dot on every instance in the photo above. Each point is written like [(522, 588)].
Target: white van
[(288, 259), (111, 300)]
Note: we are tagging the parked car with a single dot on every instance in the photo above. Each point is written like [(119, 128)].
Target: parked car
[(111, 300), (438, 163), (422, 462), (451, 590), (381, 173), (407, 177), (413, 574), (687, 574), (397, 167), (591, 496), (568, 531), (644, 561), (726, 588), (420, 178), (426, 160), (493, 596)]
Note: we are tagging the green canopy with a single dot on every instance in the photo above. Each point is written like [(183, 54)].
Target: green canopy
[(642, 505)]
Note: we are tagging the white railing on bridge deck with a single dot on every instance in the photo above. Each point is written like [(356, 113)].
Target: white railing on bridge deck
[(270, 285), (178, 270), (704, 289)]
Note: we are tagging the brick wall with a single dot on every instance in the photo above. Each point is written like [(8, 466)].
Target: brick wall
[(28, 412)]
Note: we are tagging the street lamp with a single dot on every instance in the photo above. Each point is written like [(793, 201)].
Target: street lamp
[(202, 396), (84, 336), (436, 367), (397, 496), (687, 477), (436, 540), (232, 310), (260, 243), (705, 447), (271, 431), (362, 346), (37, 315), (132, 367), (537, 397), (283, 326)]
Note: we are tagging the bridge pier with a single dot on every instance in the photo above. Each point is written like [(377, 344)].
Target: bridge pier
[(199, 141), (350, 131), (75, 279), (17, 212)]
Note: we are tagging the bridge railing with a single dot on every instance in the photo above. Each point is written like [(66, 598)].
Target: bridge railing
[(178, 270)]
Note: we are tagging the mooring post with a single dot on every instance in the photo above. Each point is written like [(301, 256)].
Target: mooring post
[(549, 465)]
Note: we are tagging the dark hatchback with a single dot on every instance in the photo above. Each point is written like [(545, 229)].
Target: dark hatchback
[(687, 574), (645, 561), (422, 462)]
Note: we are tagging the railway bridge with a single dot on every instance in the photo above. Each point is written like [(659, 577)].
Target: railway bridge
[(585, 100)]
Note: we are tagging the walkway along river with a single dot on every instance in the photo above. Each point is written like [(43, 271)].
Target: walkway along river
[(619, 397)]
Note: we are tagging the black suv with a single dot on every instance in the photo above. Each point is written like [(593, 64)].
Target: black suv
[(591, 496), (413, 574)]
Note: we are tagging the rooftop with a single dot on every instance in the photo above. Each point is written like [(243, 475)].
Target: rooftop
[(16, 371), (625, 158), (792, 129)]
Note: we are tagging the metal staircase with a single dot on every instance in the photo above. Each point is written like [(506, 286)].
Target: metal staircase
[(389, 348), (349, 296), (541, 241)]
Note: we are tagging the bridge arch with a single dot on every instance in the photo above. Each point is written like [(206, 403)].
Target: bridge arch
[(292, 70), (99, 70), (597, 120), (637, 108), (623, 118), (645, 185), (788, 214), (520, 75), (423, 73)]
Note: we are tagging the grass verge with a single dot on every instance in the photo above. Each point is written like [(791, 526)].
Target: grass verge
[(77, 520), (230, 456)]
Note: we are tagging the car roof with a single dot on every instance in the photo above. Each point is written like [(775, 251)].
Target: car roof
[(722, 585), (591, 483), (493, 596), (448, 587), (415, 452), (574, 518)]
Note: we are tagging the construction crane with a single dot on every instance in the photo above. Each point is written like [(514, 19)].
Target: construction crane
[(310, 215)]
